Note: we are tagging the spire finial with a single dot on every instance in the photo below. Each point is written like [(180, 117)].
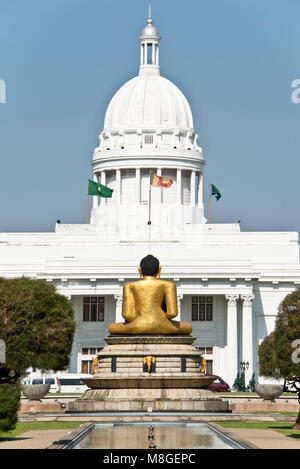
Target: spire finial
[(149, 41)]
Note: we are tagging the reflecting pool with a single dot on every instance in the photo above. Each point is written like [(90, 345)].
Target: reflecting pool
[(147, 435)]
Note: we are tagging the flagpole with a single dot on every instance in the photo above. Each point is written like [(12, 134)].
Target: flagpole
[(209, 216), (87, 208), (149, 219)]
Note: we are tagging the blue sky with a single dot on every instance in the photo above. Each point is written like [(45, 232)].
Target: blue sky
[(235, 60)]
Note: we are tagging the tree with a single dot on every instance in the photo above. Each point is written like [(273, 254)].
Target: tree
[(267, 356), (9, 405), (239, 383), (251, 384), (37, 325), (277, 355)]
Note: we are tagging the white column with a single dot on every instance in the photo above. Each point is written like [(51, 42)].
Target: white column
[(247, 335), (232, 343), (153, 49), (119, 317), (95, 197), (138, 185), (179, 300), (103, 182), (178, 182), (118, 186), (141, 59), (145, 54), (157, 54), (200, 190), (193, 188)]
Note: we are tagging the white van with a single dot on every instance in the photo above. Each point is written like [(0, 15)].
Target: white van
[(53, 380)]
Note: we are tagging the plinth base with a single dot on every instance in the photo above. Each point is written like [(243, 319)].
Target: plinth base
[(123, 383), (145, 400)]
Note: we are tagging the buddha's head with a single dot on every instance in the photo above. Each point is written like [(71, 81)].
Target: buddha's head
[(149, 267)]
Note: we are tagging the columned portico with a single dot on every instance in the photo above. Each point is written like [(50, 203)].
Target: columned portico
[(247, 334), (232, 339)]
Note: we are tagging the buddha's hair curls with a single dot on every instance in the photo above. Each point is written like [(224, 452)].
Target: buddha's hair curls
[(149, 265)]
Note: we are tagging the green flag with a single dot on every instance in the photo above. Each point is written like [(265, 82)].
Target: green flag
[(215, 191), (98, 189)]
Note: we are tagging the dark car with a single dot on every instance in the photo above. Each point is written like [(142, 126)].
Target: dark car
[(219, 385)]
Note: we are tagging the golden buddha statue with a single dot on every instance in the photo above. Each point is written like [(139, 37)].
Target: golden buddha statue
[(150, 304)]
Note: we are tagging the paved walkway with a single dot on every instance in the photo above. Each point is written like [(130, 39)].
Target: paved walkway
[(263, 439), (35, 439)]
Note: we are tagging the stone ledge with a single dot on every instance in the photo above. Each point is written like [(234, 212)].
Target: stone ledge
[(35, 407), (170, 353), (149, 339), (202, 405), (263, 407), (151, 381)]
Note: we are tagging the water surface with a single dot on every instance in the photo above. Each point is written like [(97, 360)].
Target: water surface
[(178, 436)]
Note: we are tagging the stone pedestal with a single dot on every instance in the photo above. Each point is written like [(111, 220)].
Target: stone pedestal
[(148, 373)]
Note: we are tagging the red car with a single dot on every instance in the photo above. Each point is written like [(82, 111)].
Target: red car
[(219, 385)]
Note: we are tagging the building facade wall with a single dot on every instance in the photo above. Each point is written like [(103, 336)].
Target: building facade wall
[(210, 335)]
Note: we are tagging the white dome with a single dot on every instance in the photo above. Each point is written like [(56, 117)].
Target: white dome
[(148, 127), (148, 101), (149, 111)]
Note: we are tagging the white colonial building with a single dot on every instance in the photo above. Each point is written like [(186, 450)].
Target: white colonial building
[(229, 283)]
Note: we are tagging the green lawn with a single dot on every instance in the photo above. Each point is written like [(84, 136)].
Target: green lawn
[(24, 427), (283, 427), (246, 394), (271, 412)]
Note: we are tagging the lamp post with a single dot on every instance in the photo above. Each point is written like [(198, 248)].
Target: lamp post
[(244, 366)]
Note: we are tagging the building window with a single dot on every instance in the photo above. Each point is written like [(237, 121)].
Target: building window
[(205, 350), (93, 308), (148, 139), (87, 363), (209, 367), (87, 367), (202, 308)]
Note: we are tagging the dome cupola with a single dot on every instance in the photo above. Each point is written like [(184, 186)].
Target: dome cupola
[(148, 126), (148, 111), (149, 48)]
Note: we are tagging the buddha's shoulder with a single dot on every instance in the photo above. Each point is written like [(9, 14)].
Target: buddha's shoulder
[(167, 283), (131, 284), (159, 281)]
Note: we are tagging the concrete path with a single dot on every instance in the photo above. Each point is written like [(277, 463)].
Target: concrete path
[(35, 439), (262, 439)]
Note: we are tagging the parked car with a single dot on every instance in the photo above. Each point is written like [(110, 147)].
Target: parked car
[(52, 380), (219, 385)]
